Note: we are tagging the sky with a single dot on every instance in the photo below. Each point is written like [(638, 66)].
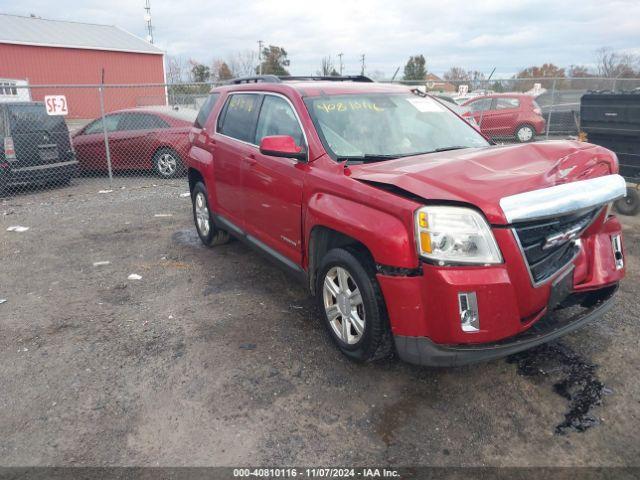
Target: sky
[(506, 34)]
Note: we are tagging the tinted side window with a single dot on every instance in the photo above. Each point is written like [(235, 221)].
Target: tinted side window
[(507, 103), (277, 118), (205, 111), (480, 105), (141, 121), (240, 116), (111, 122)]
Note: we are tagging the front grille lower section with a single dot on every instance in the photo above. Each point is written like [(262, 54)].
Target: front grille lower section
[(550, 244)]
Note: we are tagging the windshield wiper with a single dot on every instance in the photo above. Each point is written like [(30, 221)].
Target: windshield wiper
[(367, 157), (453, 147)]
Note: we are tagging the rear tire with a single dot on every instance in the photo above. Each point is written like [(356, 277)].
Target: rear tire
[(167, 163), (629, 205), (346, 283), (525, 133), (209, 234)]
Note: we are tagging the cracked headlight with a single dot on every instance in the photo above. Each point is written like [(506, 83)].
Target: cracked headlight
[(455, 235)]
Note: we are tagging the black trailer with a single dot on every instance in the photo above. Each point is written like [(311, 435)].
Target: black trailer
[(612, 119)]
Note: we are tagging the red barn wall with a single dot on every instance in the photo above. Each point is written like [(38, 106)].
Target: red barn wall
[(75, 66)]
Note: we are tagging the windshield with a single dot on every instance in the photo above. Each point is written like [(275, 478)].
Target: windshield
[(388, 125)]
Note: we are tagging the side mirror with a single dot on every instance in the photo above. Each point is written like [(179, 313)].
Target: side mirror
[(282, 146)]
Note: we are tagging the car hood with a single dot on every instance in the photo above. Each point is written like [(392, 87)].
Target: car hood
[(482, 176)]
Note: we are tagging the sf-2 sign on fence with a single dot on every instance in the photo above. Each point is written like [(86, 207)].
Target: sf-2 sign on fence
[(56, 104)]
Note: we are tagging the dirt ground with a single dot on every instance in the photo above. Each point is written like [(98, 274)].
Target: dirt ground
[(216, 358)]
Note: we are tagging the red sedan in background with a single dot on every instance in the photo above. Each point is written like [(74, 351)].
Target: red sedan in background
[(507, 115), (139, 139)]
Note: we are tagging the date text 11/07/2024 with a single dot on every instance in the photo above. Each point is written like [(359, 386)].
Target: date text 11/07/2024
[(316, 472)]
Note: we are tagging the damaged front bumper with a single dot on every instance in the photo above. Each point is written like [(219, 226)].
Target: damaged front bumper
[(592, 305)]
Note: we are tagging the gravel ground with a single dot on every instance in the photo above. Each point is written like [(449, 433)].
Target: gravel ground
[(215, 358)]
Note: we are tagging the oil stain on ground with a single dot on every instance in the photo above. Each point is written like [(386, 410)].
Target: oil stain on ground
[(575, 380)]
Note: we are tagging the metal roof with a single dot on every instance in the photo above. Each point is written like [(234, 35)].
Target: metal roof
[(21, 30)]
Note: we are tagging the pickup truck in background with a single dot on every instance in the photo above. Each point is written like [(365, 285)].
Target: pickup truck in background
[(612, 119)]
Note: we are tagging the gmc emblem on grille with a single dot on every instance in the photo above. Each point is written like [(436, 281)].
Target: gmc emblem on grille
[(561, 238)]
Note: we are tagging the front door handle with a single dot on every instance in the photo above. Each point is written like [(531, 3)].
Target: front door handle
[(251, 160)]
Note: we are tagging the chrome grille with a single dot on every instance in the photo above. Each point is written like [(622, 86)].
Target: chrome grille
[(550, 244)]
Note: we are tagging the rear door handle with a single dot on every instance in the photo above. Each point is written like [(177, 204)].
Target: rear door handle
[(251, 160)]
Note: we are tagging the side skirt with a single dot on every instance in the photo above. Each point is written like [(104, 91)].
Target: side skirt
[(275, 257)]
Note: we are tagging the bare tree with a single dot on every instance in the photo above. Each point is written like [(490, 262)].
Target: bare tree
[(328, 69), (613, 64), (243, 63), (457, 74), (177, 69)]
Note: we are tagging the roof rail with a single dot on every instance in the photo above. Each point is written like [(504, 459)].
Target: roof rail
[(255, 79), (346, 78)]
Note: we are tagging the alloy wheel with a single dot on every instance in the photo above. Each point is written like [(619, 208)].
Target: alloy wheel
[(343, 305), (203, 220), (167, 164)]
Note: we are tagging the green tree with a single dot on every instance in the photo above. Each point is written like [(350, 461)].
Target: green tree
[(415, 68), (274, 61), (199, 72)]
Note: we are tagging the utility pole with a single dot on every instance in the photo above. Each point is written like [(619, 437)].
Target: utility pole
[(260, 42), (362, 61), (340, 56), (147, 18)]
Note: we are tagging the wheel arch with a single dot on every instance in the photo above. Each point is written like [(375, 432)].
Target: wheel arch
[(383, 231), (322, 239), (194, 176), (165, 147)]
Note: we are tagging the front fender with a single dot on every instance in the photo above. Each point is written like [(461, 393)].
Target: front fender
[(387, 237)]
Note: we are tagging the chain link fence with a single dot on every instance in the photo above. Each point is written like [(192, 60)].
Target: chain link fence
[(54, 135)]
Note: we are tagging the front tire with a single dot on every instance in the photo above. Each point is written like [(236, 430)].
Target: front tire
[(629, 205), (352, 306), (167, 163), (525, 133), (209, 234)]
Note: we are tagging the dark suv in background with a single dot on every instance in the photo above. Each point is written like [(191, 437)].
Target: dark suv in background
[(34, 147)]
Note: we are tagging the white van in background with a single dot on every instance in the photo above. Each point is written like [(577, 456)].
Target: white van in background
[(10, 91)]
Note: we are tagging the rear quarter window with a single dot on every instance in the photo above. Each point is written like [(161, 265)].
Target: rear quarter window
[(505, 103), (205, 110), (238, 120), (141, 121)]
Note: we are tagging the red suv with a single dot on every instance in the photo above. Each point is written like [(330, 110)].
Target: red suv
[(412, 231), (507, 115)]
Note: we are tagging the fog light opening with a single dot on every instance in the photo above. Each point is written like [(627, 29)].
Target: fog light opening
[(616, 244), (468, 307)]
